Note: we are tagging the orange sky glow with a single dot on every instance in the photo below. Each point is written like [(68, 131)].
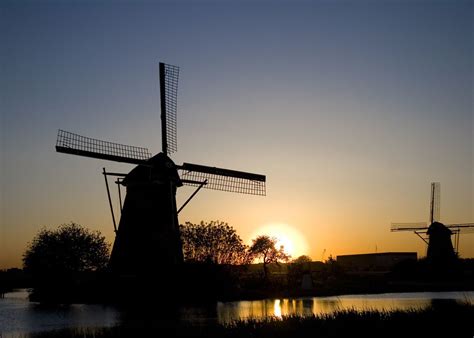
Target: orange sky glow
[(351, 111)]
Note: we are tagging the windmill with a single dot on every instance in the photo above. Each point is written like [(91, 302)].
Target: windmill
[(148, 231), (436, 235)]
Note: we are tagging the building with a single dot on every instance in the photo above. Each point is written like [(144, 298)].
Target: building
[(383, 261)]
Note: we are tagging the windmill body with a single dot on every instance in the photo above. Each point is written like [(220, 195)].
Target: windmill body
[(440, 246), (148, 235), (148, 231)]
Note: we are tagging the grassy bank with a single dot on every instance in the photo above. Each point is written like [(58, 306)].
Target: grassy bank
[(453, 320)]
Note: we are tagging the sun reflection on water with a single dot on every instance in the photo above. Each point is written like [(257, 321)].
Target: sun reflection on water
[(277, 308)]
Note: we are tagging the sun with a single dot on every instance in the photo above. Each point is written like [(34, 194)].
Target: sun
[(292, 240)]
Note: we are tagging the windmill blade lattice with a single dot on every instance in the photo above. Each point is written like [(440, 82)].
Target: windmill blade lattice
[(435, 202), (169, 75), (75, 144), (223, 179), (409, 226), (463, 227)]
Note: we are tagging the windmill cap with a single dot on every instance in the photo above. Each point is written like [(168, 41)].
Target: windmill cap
[(437, 227), (158, 169)]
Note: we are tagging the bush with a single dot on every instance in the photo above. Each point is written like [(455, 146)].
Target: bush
[(69, 249)]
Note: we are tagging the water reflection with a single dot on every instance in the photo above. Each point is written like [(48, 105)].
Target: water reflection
[(277, 308), (232, 311), (17, 315)]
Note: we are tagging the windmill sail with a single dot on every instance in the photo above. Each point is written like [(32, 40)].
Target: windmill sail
[(435, 202), (409, 226), (464, 227), (223, 179), (169, 106), (75, 144)]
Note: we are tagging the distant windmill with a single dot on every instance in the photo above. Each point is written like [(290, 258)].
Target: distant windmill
[(148, 232), (436, 235)]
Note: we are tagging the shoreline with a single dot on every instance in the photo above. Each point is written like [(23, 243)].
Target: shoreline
[(269, 296)]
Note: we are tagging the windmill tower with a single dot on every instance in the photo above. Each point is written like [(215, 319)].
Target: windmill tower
[(148, 231), (436, 235)]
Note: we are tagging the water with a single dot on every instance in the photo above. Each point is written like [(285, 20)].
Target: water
[(230, 311), (18, 316)]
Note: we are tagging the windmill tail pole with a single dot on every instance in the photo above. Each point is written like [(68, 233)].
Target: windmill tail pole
[(191, 197), (110, 200), (119, 194)]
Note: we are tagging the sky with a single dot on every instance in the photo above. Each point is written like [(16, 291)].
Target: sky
[(350, 108)]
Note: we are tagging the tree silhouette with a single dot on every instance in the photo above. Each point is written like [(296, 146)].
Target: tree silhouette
[(70, 248), (214, 242), (302, 259), (264, 247)]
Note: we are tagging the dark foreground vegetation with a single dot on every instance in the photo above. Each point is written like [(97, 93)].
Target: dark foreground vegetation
[(447, 320), (202, 282)]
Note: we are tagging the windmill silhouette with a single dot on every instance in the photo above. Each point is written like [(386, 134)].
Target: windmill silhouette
[(148, 232), (436, 235)]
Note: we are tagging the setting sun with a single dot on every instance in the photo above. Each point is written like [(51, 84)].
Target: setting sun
[(291, 239)]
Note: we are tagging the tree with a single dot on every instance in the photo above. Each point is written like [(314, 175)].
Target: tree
[(70, 248), (302, 259), (214, 242), (265, 247)]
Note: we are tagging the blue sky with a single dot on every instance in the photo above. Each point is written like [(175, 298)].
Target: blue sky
[(351, 109)]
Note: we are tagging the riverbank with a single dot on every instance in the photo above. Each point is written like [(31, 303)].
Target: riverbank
[(449, 320)]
